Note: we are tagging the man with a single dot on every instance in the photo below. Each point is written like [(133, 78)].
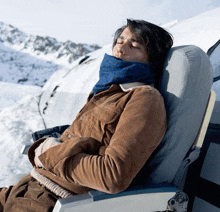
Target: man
[(112, 136)]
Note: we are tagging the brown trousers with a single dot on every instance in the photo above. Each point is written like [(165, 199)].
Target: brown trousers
[(27, 196)]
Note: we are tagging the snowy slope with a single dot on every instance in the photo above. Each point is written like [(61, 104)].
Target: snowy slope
[(21, 68), (16, 125), (9, 94), (202, 30), (18, 121)]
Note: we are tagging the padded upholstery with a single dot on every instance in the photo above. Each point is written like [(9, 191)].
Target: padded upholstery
[(185, 86)]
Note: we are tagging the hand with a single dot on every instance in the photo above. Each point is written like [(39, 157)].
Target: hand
[(38, 152), (47, 144)]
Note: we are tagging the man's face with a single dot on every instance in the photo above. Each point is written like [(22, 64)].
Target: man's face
[(129, 48)]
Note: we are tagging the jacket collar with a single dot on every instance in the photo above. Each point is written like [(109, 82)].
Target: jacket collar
[(130, 86), (124, 87)]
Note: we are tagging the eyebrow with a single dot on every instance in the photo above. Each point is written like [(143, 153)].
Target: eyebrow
[(131, 39)]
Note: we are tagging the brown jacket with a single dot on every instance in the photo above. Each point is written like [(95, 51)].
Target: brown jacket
[(109, 141)]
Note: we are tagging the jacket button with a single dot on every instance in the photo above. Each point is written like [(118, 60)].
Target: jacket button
[(69, 136), (81, 118)]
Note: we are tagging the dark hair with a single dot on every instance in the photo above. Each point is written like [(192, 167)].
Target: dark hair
[(157, 41)]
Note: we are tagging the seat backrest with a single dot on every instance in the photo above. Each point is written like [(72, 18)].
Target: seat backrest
[(185, 86)]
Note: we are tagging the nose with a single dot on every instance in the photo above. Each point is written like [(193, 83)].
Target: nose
[(123, 48)]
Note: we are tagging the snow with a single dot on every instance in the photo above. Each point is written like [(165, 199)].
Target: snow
[(9, 94), (202, 30), (16, 125), (18, 67), (19, 104), (170, 24)]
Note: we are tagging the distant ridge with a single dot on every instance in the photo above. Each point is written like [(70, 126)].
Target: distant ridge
[(62, 53)]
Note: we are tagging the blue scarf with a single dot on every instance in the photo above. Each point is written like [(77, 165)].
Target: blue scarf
[(117, 71)]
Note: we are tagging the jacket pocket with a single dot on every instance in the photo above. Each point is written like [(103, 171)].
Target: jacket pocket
[(105, 122), (106, 114)]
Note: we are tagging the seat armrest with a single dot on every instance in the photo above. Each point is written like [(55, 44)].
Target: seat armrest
[(100, 199), (161, 188), (72, 201)]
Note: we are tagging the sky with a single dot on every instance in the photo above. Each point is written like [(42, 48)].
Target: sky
[(93, 21)]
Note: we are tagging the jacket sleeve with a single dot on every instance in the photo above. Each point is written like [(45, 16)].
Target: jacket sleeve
[(140, 129)]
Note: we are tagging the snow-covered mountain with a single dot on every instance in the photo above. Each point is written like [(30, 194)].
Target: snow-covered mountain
[(62, 53), (31, 60)]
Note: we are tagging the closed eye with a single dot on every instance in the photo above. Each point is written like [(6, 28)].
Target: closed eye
[(120, 40), (133, 42), (136, 45)]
